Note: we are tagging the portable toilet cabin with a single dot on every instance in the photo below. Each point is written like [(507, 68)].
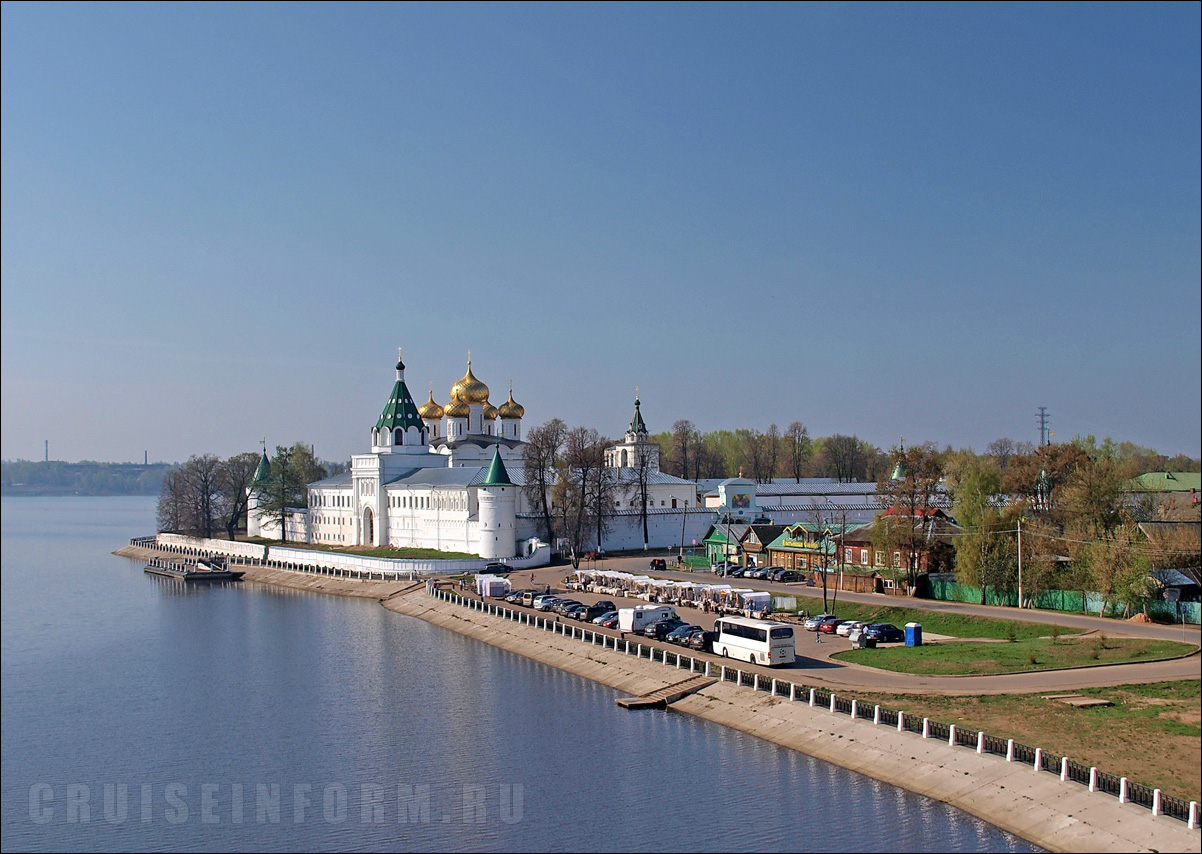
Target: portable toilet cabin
[(913, 634)]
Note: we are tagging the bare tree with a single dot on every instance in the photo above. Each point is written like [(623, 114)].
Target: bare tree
[(580, 475), (799, 449), (771, 451), (544, 444), (172, 508), (684, 442), (234, 477), (845, 456), (909, 500)]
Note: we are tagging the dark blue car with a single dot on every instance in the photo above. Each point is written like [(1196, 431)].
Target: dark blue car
[(884, 633)]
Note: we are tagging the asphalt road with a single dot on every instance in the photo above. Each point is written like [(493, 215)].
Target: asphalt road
[(814, 664)]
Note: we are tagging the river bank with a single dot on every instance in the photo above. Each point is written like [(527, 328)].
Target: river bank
[(1035, 806)]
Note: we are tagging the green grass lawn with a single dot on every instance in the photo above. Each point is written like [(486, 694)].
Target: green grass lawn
[(963, 658), (1151, 733), (933, 622)]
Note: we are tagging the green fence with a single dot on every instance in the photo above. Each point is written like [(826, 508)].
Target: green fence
[(1073, 601)]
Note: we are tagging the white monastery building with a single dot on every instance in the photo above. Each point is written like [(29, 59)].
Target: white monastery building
[(451, 478)]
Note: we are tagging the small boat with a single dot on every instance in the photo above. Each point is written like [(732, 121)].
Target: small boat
[(202, 569)]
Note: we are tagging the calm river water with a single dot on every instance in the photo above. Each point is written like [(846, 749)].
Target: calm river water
[(140, 715)]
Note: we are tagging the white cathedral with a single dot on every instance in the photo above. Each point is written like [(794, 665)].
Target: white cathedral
[(448, 478)]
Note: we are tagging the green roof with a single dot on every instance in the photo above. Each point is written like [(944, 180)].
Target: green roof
[(636, 423), (263, 472), (496, 475), (1168, 481), (400, 411)]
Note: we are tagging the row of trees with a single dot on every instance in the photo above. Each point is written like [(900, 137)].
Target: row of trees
[(571, 488), (686, 452), (1072, 502), (793, 453), (207, 494)]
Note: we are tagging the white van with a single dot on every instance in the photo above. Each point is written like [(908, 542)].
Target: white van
[(634, 619)]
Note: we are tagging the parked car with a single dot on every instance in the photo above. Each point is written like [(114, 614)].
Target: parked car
[(561, 607), (495, 569), (603, 618), (811, 624), (659, 563), (544, 603), (660, 628), (596, 610), (845, 627), (703, 641), (755, 572), (528, 598), (884, 633), (681, 635), (829, 625), (785, 576)]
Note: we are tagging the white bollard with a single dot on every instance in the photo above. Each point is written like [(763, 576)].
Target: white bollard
[(755, 685), (926, 727), (1124, 791), (854, 704), (723, 672), (774, 687), (901, 721), (832, 704), (707, 668), (1009, 750), (1157, 807), (1038, 763), (981, 741), (951, 735), (1064, 769), (628, 647), (793, 692), (1093, 779), (876, 715), (678, 660), (1193, 815), (813, 693), (639, 652)]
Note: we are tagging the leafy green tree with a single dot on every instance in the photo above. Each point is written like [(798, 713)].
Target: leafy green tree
[(292, 470)]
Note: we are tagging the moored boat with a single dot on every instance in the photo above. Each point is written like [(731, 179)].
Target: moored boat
[(202, 569)]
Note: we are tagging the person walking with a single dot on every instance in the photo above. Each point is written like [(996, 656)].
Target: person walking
[(817, 636)]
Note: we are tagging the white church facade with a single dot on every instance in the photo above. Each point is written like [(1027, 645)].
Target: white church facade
[(435, 477)]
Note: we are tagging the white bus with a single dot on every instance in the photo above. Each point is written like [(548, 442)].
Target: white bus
[(757, 641)]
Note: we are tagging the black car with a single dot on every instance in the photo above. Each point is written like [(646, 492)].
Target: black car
[(658, 564), (681, 635), (702, 641), (884, 633), (660, 628), (596, 610), (496, 569)]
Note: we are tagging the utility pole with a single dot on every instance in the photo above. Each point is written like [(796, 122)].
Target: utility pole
[(47, 449), (1042, 416), (1020, 562)]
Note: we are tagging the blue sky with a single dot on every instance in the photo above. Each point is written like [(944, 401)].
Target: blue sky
[(220, 221)]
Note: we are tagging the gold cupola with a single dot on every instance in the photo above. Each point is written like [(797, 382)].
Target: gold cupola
[(490, 411), (456, 408), (469, 389), (430, 411), (511, 408)]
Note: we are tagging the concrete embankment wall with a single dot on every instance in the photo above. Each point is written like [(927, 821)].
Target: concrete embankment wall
[(1037, 806)]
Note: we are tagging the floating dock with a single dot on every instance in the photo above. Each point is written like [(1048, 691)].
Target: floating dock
[(202, 570)]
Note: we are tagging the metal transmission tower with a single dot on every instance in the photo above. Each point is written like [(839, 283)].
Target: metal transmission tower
[(1043, 418)]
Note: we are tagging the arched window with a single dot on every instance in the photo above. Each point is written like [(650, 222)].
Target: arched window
[(398, 436)]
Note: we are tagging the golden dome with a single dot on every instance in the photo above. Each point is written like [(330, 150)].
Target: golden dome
[(430, 411), (490, 411), (511, 408), (469, 389), (456, 409)]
